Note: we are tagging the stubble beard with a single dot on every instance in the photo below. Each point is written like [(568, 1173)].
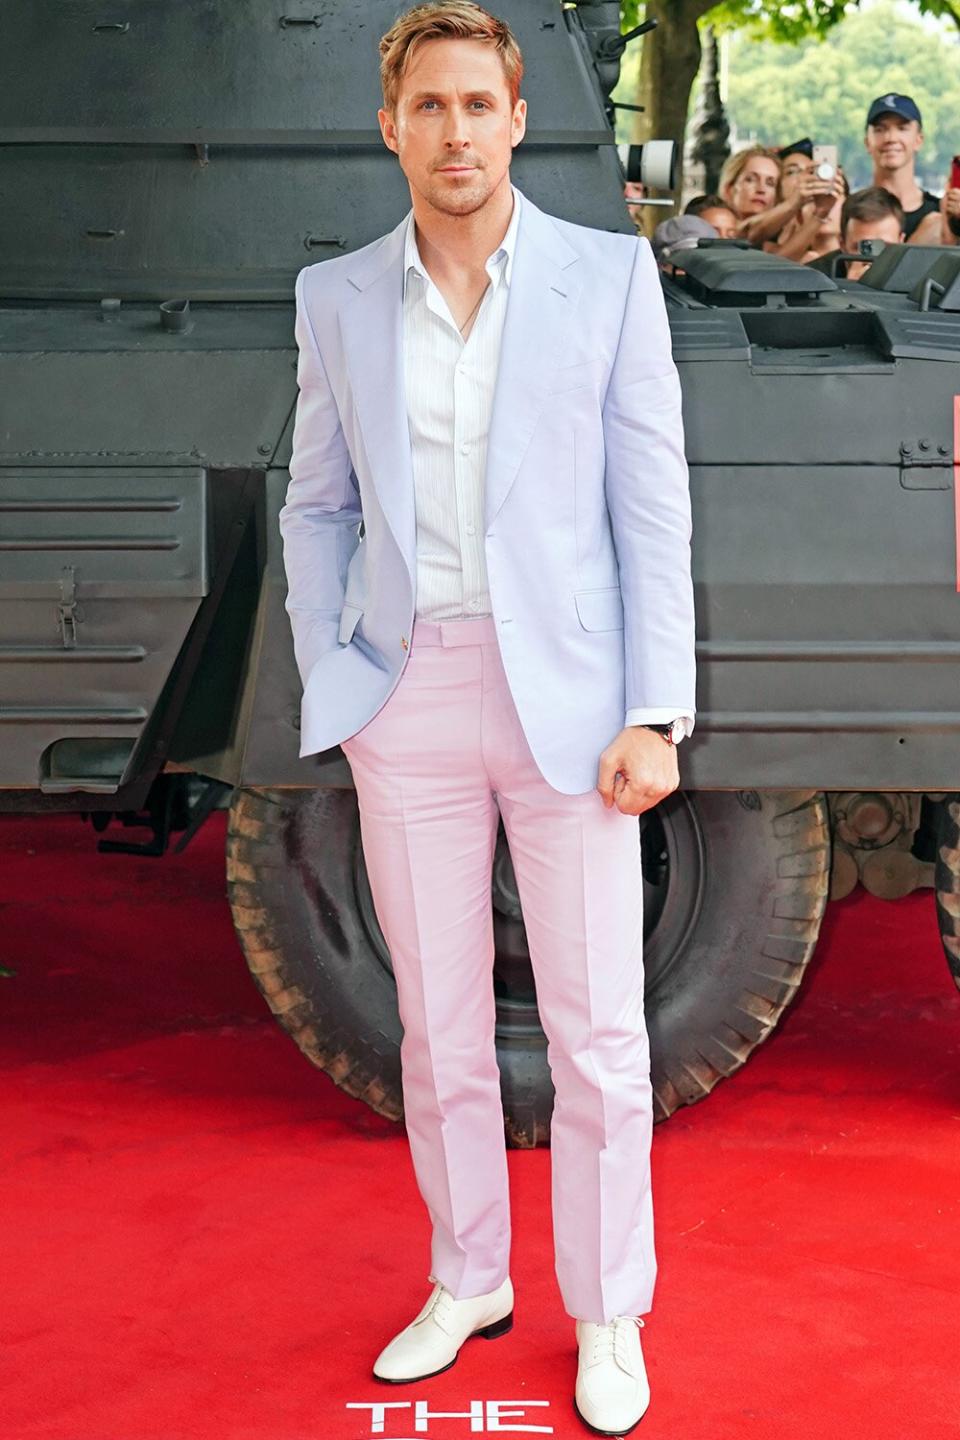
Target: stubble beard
[(458, 197)]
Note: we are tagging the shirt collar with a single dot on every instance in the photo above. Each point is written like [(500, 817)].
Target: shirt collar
[(504, 252)]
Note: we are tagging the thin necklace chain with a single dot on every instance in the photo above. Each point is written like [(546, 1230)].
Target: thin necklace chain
[(475, 309)]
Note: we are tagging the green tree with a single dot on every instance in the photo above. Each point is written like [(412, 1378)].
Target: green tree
[(670, 55)]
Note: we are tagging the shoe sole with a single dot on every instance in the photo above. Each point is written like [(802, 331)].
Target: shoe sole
[(596, 1428), (492, 1331)]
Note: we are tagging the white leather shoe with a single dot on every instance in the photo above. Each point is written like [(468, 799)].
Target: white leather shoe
[(612, 1390), (431, 1342)]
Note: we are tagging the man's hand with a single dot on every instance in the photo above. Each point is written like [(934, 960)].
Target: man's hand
[(949, 210), (637, 770)]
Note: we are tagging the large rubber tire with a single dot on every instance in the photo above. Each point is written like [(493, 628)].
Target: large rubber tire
[(947, 880), (735, 886)]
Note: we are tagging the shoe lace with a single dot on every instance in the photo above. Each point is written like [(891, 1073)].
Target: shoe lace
[(440, 1305), (611, 1342)]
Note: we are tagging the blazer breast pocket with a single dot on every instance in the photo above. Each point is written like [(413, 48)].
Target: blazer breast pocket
[(600, 609), (349, 619), (572, 377)]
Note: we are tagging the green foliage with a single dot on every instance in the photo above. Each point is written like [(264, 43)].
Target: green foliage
[(823, 87), (943, 10), (790, 21), (787, 23)]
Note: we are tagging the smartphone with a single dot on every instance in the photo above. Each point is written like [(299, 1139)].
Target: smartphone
[(825, 154), (952, 220)]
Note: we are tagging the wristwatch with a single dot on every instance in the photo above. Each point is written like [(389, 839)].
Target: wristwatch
[(673, 733)]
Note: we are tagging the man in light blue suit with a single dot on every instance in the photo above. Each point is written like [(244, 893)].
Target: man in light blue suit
[(491, 391)]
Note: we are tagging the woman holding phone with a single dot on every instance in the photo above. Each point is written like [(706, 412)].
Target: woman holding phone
[(790, 223)]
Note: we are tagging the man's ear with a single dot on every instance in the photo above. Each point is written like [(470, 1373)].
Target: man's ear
[(388, 129), (519, 125)]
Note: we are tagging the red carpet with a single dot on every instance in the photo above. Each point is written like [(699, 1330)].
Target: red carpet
[(203, 1238)]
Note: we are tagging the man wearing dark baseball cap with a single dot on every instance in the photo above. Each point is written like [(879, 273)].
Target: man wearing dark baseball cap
[(894, 134)]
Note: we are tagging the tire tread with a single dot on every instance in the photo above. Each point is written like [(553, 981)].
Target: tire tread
[(947, 881)]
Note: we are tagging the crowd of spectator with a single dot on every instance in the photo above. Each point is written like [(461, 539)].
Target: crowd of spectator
[(792, 201)]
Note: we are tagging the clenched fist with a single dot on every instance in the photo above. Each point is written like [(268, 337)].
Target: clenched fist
[(637, 770)]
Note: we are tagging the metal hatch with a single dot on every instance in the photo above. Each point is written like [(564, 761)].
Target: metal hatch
[(728, 274)]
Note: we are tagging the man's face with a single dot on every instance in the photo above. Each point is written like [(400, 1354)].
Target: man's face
[(892, 142), (723, 221), (886, 229), (755, 188), (795, 169), (453, 127)]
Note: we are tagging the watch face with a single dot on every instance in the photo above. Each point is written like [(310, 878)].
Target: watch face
[(677, 731)]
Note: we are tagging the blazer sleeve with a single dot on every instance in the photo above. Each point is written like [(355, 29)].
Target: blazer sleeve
[(320, 518), (648, 500)]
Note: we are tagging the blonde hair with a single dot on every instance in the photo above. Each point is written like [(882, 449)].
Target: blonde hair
[(735, 165), (445, 20)]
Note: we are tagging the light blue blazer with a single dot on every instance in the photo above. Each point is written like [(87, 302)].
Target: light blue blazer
[(587, 495)]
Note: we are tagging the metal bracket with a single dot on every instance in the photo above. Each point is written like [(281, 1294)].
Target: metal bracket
[(313, 242), (69, 614), (924, 465), (167, 808)]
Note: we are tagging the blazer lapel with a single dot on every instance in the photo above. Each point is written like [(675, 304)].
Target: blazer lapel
[(371, 325), (544, 289)]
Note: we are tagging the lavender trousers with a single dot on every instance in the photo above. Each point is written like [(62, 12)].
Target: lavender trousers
[(433, 770)]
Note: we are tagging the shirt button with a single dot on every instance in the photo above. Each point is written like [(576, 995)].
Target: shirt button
[(464, 449), (470, 529), (474, 605)]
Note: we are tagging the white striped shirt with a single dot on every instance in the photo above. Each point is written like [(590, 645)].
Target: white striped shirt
[(450, 383)]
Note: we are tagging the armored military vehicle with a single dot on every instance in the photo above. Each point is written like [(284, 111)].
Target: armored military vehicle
[(163, 185)]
